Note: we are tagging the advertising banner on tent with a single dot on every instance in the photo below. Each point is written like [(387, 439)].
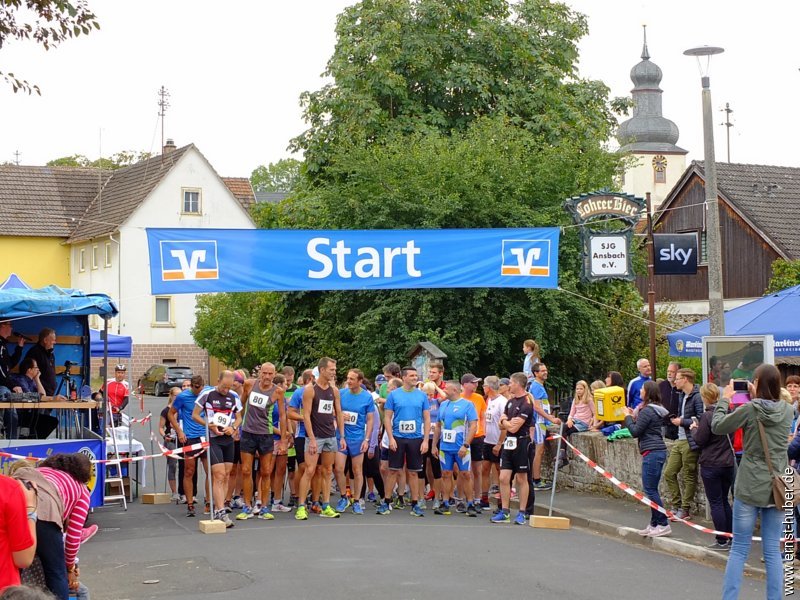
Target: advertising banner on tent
[(191, 261)]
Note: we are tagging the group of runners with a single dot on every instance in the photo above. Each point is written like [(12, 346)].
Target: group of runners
[(401, 441)]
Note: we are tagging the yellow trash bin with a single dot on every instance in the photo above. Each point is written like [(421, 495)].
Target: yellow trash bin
[(609, 403)]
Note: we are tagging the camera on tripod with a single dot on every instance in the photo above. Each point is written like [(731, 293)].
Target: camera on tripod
[(68, 365)]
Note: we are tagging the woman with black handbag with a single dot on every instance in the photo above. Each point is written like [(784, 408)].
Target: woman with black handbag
[(766, 421)]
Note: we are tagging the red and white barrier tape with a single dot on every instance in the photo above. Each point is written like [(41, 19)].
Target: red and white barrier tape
[(164, 450), (141, 421), (639, 495), (129, 459)]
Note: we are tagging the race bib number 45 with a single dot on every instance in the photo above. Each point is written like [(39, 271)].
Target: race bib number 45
[(350, 418), (407, 427), (259, 400), (325, 407)]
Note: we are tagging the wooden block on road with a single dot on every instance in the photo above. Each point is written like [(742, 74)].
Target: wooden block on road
[(543, 522), (215, 526), (157, 498)]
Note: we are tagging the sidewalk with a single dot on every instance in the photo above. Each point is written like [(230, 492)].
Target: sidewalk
[(621, 518)]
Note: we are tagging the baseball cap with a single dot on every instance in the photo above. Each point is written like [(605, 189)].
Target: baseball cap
[(380, 379), (504, 381), (469, 378)]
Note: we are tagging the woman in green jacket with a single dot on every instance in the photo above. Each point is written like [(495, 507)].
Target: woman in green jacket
[(752, 492)]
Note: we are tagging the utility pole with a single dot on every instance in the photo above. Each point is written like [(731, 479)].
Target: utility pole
[(651, 289), (728, 110), (16, 157), (163, 105)]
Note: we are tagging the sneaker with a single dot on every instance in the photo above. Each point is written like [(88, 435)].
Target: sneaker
[(183, 499), (357, 508), (87, 533), (342, 505), (399, 504), (646, 531), (227, 508), (207, 509), (461, 507), (442, 509), (436, 504), (292, 501), (422, 504), (279, 507), (383, 509), (430, 495), (190, 510), (417, 511), (485, 504), (477, 506), (371, 497), (472, 511), (316, 508), (237, 502), (541, 486), (519, 519), (495, 489), (678, 514), (176, 498), (226, 519), (514, 495), (265, 514), (247, 513), (329, 513), (501, 517), (660, 530), (722, 547), (301, 514)]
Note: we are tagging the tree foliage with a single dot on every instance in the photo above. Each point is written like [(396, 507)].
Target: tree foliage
[(46, 22), (785, 273), (281, 176), (121, 159)]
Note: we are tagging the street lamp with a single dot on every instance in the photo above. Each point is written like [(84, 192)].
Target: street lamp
[(716, 305)]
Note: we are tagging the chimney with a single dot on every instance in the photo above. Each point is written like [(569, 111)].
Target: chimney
[(169, 146)]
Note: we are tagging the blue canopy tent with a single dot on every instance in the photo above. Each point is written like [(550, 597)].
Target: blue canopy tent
[(119, 346), (14, 282), (775, 314)]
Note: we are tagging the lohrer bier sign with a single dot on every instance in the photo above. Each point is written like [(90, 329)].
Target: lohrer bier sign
[(606, 245)]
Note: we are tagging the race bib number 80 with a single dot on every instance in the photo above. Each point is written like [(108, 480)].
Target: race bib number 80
[(407, 427), (325, 407), (259, 400)]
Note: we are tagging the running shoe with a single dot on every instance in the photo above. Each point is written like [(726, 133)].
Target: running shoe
[(176, 498), (472, 511), (342, 505), (422, 504), (416, 511), (541, 486), (316, 508), (292, 501), (501, 517), (371, 497), (190, 510), (266, 515), (357, 508), (280, 507), (436, 504), (329, 513), (660, 530), (383, 509), (461, 507), (87, 533), (520, 519), (442, 509), (247, 513), (399, 504), (227, 507), (237, 502), (183, 499), (430, 495), (227, 520), (301, 514), (495, 489), (485, 504)]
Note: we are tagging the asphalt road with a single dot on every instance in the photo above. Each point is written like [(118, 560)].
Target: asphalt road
[(387, 557)]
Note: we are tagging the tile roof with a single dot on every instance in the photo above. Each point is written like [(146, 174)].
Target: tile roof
[(43, 201), (123, 193), (240, 187), (768, 195)]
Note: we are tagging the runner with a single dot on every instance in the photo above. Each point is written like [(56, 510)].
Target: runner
[(469, 384), (291, 453), (407, 419), (357, 406), (223, 409), (455, 431), (430, 460), (189, 432), (233, 497), (280, 448), (257, 428), (322, 414), (295, 413), (436, 374), (541, 404), (492, 445), (516, 422), (380, 402)]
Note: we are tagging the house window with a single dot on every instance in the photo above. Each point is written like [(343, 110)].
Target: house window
[(191, 201), (162, 316), (95, 252), (703, 249), (108, 254), (82, 260)]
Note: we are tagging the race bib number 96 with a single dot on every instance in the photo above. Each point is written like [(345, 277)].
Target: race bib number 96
[(407, 427), (325, 407)]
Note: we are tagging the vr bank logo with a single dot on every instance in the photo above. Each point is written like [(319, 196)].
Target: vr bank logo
[(189, 260), (526, 258)]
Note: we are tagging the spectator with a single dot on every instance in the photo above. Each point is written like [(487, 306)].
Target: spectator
[(684, 453), (716, 466), (635, 385), (669, 399), (40, 422), (793, 386), (714, 370), (752, 493), (614, 378), (647, 428), (170, 438), (532, 356), (44, 355), (581, 413), (7, 362), (17, 529), (23, 592), (119, 391)]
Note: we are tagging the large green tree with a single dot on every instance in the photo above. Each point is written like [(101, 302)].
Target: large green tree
[(454, 114), (280, 176), (118, 160)]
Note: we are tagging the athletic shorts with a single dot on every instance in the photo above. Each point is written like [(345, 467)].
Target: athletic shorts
[(516, 460), (384, 454), (353, 448), (300, 449), (489, 455), (408, 455), (539, 433), (193, 453), (449, 458), (476, 449), (291, 463), (237, 452), (256, 443), (328, 444), (221, 449)]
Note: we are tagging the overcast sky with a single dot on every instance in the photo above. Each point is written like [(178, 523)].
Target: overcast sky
[(235, 71)]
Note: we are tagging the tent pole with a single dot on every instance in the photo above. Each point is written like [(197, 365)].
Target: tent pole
[(104, 370)]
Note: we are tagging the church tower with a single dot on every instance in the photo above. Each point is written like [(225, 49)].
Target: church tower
[(650, 137)]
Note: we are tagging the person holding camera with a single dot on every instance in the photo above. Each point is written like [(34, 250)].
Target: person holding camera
[(44, 354), (766, 420)]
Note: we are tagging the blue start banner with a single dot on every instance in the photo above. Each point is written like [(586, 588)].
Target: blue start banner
[(191, 261)]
